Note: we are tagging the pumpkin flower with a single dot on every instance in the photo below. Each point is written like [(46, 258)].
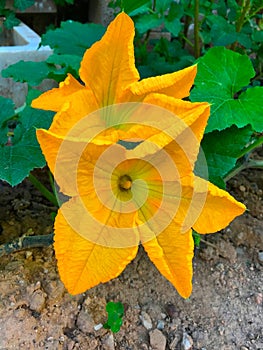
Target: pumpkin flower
[(123, 152)]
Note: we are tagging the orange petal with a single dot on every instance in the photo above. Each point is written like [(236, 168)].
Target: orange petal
[(108, 66), (219, 207), (62, 164), (83, 264), (172, 253), (72, 119), (181, 122), (54, 99), (177, 84)]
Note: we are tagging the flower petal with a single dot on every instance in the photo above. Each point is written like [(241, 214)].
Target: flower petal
[(54, 99), (83, 264), (218, 210), (50, 145), (72, 117), (172, 253), (180, 130), (63, 154), (177, 84), (108, 66)]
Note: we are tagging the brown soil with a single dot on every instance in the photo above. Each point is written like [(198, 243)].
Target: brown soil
[(224, 312)]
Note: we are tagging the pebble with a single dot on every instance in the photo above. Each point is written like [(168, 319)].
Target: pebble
[(160, 324), (37, 300), (171, 310), (187, 342), (243, 348), (175, 342), (157, 340), (258, 298), (242, 188), (108, 343), (97, 327), (260, 257), (146, 320), (85, 322)]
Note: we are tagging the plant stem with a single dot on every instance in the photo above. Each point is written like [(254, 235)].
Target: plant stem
[(187, 21), (46, 193), (251, 147), (51, 180), (251, 163), (188, 41), (26, 242), (196, 29), (208, 243), (154, 5), (253, 13), (241, 20)]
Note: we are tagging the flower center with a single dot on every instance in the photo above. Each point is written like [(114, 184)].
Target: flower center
[(125, 183)]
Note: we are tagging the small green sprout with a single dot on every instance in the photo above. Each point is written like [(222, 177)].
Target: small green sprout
[(196, 238), (115, 313)]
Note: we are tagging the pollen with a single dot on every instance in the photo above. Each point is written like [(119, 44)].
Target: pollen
[(125, 183)]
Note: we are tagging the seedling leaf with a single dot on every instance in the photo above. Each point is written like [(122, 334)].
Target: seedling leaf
[(115, 313)]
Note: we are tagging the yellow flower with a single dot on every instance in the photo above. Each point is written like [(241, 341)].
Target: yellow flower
[(124, 151)]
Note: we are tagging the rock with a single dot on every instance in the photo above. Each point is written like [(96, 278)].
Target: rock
[(259, 298), (160, 324), (37, 300), (242, 188), (108, 343), (97, 327), (187, 342), (146, 320), (85, 322), (260, 257), (243, 348), (171, 310), (174, 344), (157, 340), (228, 251), (55, 290)]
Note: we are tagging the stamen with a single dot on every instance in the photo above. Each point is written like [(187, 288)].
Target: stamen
[(125, 183)]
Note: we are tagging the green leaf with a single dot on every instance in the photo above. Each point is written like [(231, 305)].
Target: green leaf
[(23, 4), (174, 26), (162, 5), (115, 313), (222, 74), (221, 150), (176, 11), (24, 154), (7, 109), (222, 32), (133, 7), (73, 38), (31, 72), (258, 36), (244, 40), (10, 19), (2, 4), (147, 22), (71, 62), (248, 108)]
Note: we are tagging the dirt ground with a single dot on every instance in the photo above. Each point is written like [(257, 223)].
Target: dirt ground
[(225, 311)]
